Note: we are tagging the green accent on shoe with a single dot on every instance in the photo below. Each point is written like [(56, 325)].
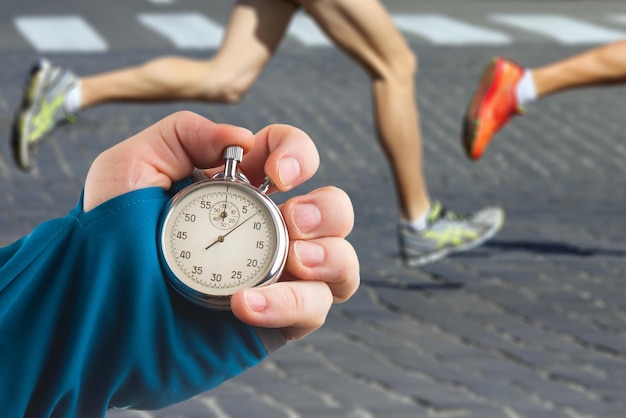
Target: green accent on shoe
[(447, 232)]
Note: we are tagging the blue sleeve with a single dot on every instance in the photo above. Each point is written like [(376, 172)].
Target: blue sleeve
[(88, 321)]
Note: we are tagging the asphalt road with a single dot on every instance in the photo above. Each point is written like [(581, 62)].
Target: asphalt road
[(529, 325)]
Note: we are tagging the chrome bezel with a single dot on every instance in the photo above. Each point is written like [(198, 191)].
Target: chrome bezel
[(270, 275)]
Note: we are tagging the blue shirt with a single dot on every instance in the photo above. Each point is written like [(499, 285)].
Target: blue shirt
[(88, 321)]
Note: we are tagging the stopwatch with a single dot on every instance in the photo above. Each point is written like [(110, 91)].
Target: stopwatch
[(222, 234)]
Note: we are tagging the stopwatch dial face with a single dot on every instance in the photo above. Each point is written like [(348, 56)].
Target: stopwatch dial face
[(220, 238)]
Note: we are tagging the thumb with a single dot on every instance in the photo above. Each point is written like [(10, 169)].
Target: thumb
[(298, 307)]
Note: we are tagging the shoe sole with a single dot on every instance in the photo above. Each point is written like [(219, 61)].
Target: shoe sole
[(32, 92), (472, 121), (438, 255)]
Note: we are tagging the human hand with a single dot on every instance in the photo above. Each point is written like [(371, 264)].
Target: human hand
[(322, 267)]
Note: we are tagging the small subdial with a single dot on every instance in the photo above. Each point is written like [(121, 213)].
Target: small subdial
[(224, 215)]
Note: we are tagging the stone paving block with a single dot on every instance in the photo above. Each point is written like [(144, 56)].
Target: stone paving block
[(529, 325)]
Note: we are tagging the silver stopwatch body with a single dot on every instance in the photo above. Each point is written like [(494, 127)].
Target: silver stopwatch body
[(221, 235)]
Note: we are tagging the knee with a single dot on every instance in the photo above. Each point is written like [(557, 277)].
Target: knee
[(226, 89), (397, 67), (230, 92), (226, 84), (403, 65)]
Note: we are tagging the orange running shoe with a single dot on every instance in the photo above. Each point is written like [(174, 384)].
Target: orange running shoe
[(492, 106)]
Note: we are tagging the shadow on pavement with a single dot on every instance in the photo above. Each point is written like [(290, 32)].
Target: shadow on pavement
[(420, 287), (553, 248)]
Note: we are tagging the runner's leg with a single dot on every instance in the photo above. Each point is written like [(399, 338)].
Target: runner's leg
[(365, 31), (255, 26)]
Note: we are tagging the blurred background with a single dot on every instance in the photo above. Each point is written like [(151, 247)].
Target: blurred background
[(530, 325)]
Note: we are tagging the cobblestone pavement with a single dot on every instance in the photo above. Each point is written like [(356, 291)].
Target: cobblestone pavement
[(530, 325)]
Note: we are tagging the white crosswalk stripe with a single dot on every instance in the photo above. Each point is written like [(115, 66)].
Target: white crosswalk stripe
[(620, 18), (563, 29), (60, 34), (184, 30), (194, 30), (443, 30)]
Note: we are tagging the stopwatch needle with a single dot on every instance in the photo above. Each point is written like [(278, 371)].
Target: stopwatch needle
[(221, 238)]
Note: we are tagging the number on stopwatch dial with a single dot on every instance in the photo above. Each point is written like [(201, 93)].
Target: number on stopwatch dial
[(220, 236)]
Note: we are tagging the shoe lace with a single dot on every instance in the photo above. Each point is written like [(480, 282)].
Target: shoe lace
[(438, 211)]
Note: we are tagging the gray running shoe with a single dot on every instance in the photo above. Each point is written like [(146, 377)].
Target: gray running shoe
[(446, 233), (41, 111)]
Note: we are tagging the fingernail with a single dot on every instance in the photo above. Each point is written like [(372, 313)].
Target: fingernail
[(307, 217), (288, 170), (255, 300), (309, 253)]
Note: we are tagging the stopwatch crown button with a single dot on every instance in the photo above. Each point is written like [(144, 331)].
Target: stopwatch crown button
[(233, 152)]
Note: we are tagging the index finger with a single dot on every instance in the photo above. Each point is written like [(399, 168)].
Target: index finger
[(161, 154), (287, 155)]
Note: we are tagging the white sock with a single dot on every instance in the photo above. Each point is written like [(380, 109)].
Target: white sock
[(419, 223), (73, 99), (525, 90)]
